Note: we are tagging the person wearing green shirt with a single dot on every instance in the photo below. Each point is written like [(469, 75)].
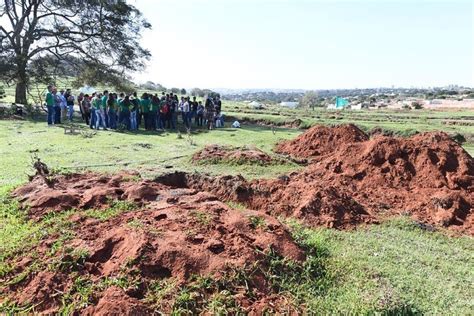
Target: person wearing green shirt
[(124, 115), (50, 105), (103, 107), (99, 111), (145, 109)]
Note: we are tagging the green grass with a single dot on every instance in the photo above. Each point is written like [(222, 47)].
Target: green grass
[(111, 151), (395, 267), (201, 217), (115, 208)]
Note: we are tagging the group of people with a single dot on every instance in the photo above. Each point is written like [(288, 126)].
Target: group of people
[(128, 111), (60, 105)]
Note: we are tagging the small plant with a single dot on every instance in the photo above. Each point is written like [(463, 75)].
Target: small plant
[(136, 223), (132, 178), (202, 217), (78, 297), (257, 222), (71, 260), (116, 207), (236, 205)]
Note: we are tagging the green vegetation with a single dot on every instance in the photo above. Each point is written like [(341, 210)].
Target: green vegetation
[(115, 208), (392, 268), (111, 151), (257, 222), (236, 205), (203, 218)]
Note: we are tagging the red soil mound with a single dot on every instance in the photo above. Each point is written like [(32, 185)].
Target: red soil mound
[(238, 155), (321, 140), (427, 176), (175, 234)]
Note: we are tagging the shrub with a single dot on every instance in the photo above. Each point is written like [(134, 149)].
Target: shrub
[(417, 105)]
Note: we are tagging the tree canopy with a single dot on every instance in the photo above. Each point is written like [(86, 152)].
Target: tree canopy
[(310, 99), (99, 39)]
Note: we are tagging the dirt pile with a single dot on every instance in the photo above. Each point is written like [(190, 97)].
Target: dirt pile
[(229, 154), (427, 176), (172, 235), (321, 140)]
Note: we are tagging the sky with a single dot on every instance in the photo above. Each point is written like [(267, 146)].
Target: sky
[(303, 44)]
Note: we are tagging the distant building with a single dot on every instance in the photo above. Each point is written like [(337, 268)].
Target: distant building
[(291, 105), (256, 105)]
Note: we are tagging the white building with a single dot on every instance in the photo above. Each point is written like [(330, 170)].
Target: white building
[(291, 105)]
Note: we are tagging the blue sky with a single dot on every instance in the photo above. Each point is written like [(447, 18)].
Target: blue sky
[(308, 44)]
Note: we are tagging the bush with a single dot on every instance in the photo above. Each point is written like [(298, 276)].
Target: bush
[(459, 138), (2, 92), (417, 105), (309, 100)]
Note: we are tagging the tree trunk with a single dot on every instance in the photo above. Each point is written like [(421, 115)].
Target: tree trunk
[(21, 84)]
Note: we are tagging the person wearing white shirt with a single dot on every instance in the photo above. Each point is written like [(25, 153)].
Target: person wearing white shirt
[(186, 114)]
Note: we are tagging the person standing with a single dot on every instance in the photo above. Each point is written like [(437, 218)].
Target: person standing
[(155, 113), (173, 110), (186, 113), (103, 107), (164, 112), (50, 105), (100, 113), (63, 110), (200, 114), (111, 112), (145, 109), (93, 110), (70, 104), (124, 114), (194, 106), (218, 105), (85, 105), (210, 113), (134, 113), (58, 102), (80, 98)]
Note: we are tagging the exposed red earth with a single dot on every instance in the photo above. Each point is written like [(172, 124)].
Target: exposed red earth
[(174, 234), (352, 179)]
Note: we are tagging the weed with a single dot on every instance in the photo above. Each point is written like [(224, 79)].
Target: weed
[(236, 205), (115, 208), (78, 297), (136, 224), (202, 217), (257, 222), (8, 307)]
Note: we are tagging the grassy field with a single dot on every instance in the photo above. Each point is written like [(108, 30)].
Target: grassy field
[(392, 268)]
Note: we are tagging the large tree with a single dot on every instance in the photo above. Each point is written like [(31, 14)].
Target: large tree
[(102, 34)]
